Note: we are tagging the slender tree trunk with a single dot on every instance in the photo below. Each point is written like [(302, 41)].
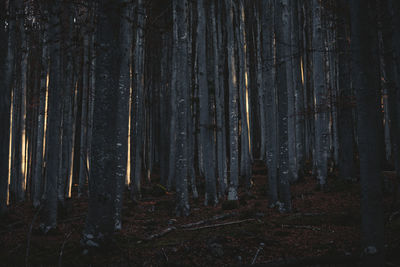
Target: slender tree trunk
[(7, 43), (282, 61), (37, 189), (345, 98), (182, 94), (233, 105), (268, 68), (366, 82), (138, 115), (321, 95)]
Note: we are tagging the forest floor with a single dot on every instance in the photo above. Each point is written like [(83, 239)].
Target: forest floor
[(322, 230)]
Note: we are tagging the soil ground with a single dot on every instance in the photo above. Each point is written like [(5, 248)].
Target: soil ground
[(323, 230)]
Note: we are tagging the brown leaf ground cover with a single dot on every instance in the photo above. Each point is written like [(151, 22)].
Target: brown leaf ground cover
[(323, 230)]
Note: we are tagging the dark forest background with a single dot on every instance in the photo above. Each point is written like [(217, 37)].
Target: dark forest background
[(101, 99)]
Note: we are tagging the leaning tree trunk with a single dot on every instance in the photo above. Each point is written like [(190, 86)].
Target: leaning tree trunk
[(282, 60), (53, 139), (100, 220), (366, 82)]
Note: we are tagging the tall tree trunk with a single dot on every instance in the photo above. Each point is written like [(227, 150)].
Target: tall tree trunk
[(283, 60), (7, 42), (233, 105), (182, 94), (206, 129), (37, 189), (345, 98), (268, 68), (100, 221), (138, 115), (123, 107), (53, 139), (321, 96), (366, 82)]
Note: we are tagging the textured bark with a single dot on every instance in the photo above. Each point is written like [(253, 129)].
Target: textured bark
[(268, 84), (219, 99), (100, 221), (37, 187), (233, 105), (206, 129), (366, 83), (245, 160), (321, 96), (123, 108), (83, 151), (139, 109), (298, 88), (182, 94), (282, 60), (49, 216), (345, 98)]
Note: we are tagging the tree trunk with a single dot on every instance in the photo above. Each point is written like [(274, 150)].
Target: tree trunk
[(53, 139), (345, 99), (321, 96), (283, 60), (100, 221), (182, 93), (366, 83), (7, 42)]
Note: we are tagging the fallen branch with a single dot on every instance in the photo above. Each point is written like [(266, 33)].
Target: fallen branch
[(162, 233), (308, 227), (258, 252), (218, 225), (214, 218)]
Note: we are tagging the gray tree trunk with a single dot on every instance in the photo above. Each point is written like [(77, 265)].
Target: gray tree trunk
[(182, 94), (283, 60), (269, 86), (123, 107), (366, 83), (53, 139), (206, 129), (233, 105), (345, 98), (100, 220), (321, 96), (7, 42)]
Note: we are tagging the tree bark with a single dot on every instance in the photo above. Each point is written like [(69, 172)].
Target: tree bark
[(366, 83)]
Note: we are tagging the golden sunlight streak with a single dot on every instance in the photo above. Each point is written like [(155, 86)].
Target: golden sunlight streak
[(10, 148)]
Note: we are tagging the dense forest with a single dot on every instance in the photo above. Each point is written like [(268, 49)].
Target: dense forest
[(214, 103)]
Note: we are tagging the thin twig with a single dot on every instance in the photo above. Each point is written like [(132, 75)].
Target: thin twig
[(162, 233), (308, 227), (215, 218), (258, 251), (62, 247), (218, 225)]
